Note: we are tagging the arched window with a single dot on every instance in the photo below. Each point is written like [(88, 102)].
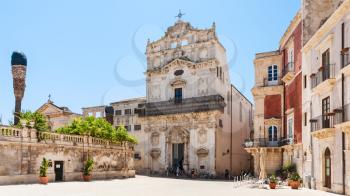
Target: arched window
[(327, 169), (272, 74), (272, 134)]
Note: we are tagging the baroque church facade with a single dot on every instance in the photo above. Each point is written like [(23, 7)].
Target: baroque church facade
[(192, 117)]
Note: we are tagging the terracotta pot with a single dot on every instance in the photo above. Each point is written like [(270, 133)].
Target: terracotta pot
[(272, 185), (43, 180), (87, 178), (295, 184)]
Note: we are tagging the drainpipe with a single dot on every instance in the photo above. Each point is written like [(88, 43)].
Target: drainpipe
[(343, 134), (231, 133)]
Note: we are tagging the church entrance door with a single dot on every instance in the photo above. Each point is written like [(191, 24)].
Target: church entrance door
[(178, 155)]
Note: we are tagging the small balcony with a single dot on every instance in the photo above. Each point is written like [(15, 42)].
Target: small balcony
[(323, 126), (324, 79), (288, 72), (272, 82), (264, 142), (345, 60), (342, 116)]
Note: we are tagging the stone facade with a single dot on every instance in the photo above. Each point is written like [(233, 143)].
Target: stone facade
[(191, 115), (277, 93), (326, 101), (57, 116), (22, 152)]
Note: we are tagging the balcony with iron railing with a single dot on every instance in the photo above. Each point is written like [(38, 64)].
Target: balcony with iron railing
[(187, 105), (324, 79), (271, 82), (323, 126), (288, 72), (342, 116), (266, 142)]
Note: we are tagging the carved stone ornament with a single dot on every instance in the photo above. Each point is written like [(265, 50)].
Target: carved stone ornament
[(202, 152), (155, 153), (178, 83), (155, 138)]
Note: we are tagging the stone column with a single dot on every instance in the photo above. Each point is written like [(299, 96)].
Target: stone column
[(186, 162)]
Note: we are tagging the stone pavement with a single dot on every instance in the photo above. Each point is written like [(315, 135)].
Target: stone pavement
[(142, 185)]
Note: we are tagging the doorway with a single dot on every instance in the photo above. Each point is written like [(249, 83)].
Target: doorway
[(58, 171), (178, 155), (327, 169)]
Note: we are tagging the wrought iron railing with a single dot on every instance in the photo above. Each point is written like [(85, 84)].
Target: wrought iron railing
[(289, 67), (342, 114), (195, 104), (266, 142), (324, 73), (322, 122), (271, 82)]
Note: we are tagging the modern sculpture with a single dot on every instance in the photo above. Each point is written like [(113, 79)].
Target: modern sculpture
[(19, 69)]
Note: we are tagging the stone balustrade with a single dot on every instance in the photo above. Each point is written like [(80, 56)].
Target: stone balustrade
[(8, 133)]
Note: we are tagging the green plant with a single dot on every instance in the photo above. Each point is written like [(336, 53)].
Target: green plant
[(294, 176), (43, 167), (273, 179), (89, 166), (97, 127), (40, 122)]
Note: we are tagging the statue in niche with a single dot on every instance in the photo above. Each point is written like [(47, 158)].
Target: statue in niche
[(202, 136), (155, 138)]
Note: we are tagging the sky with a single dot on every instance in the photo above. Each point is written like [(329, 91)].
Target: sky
[(88, 53)]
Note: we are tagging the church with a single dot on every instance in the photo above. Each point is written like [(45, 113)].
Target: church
[(192, 117)]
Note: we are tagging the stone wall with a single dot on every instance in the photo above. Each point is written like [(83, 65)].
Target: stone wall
[(21, 154)]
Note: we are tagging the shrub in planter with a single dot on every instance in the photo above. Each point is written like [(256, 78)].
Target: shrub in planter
[(43, 171), (89, 166), (272, 182), (294, 180)]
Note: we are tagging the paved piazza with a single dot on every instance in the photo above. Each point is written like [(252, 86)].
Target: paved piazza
[(142, 185)]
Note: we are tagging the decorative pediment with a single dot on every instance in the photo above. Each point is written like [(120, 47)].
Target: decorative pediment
[(202, 152), (178, 83), (181, 62), (272, 121), (155, 153)]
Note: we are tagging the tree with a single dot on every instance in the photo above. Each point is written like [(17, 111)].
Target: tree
[(97, 127)]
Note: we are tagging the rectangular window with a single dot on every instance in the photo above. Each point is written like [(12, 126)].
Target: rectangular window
[(325, 111), (127, 111), (290, 128), (118, 112), (220, 123), (305, 119), (137, 127), (128, 127), (137, 156), (305, 81), (178, 95)]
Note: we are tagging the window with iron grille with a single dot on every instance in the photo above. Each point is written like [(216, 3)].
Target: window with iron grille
[(137, 127)]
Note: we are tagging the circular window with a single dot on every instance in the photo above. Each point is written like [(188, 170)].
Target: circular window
[(178, 72)]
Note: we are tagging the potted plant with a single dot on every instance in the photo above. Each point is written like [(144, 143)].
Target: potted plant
[(272, 182), (89, 166), (295, 180), (43, 171)]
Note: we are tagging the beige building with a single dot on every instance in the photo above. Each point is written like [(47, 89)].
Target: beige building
[(192, 117), (57, 116), (326, 102)]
